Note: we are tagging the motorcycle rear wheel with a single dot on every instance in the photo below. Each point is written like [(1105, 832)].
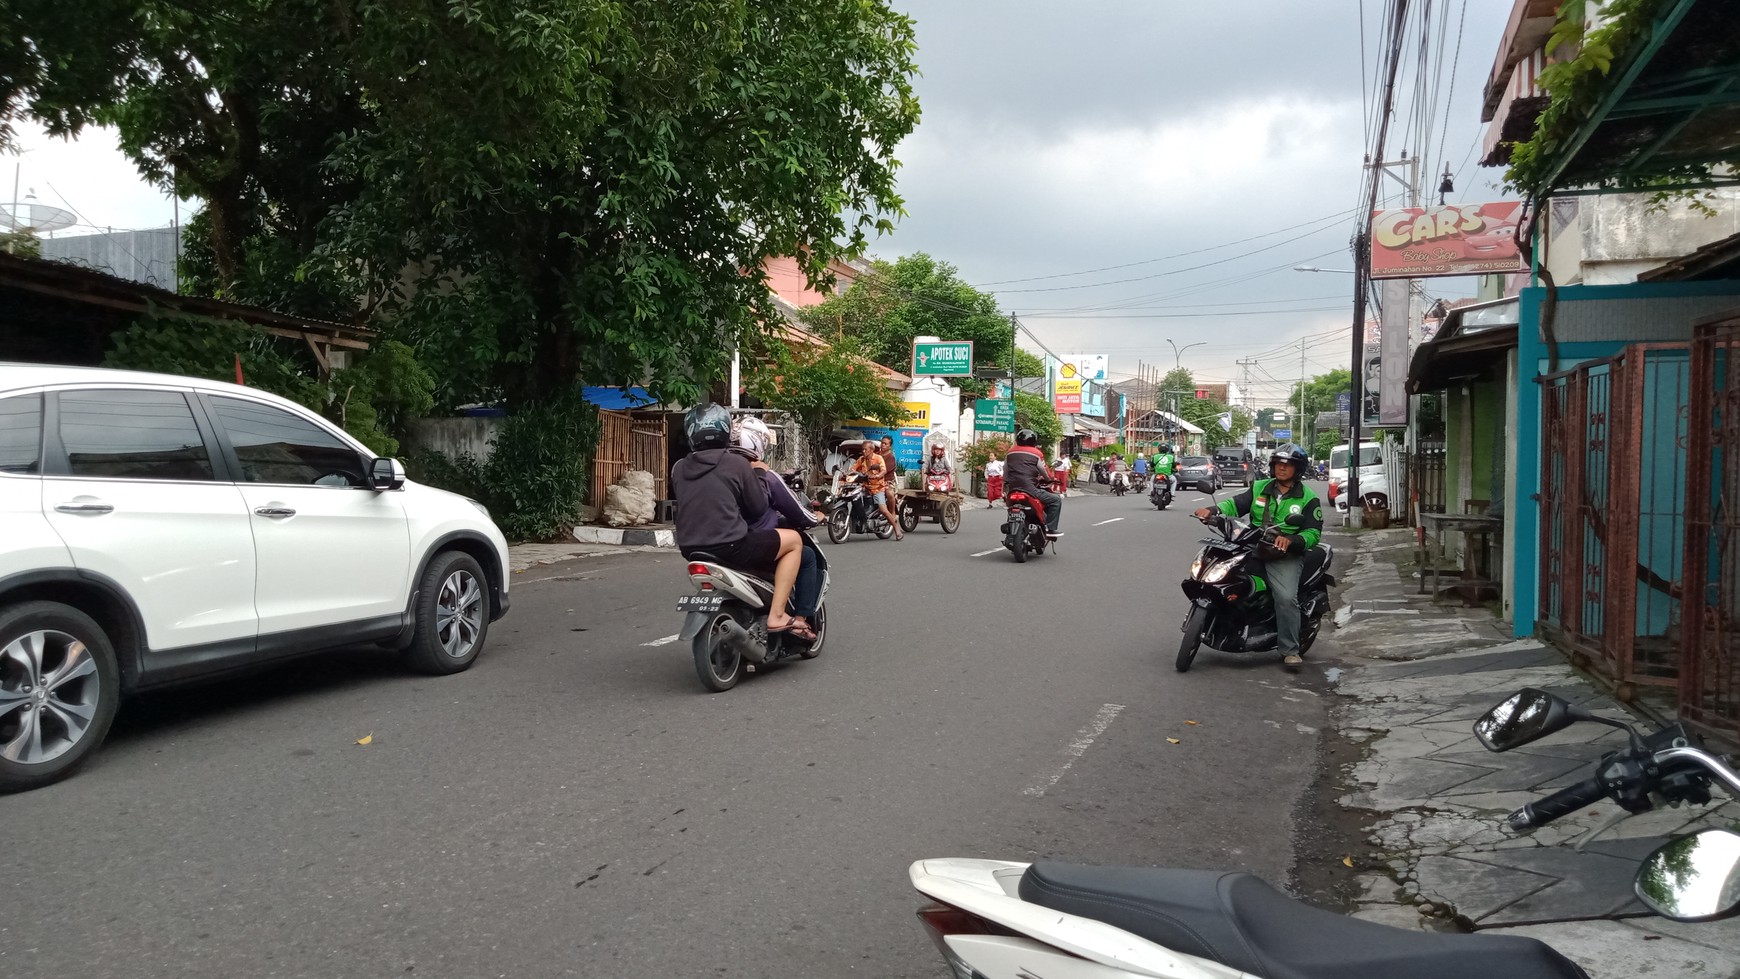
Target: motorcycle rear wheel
[(1192, 640), (818, 622), (839, 526), (880, 526), (1020, 549), (718, 667)]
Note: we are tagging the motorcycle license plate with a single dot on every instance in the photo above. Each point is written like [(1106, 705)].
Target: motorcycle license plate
[(700, 603)]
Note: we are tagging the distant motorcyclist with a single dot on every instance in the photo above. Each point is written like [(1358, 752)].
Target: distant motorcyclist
[(1024, 471), (1166, 464), (1285, 504)]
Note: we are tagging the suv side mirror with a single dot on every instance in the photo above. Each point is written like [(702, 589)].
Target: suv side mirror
[(386, 474), (1693, 878)]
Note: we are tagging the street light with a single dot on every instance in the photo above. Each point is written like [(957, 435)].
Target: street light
[(1313, 268), (1178, 352)]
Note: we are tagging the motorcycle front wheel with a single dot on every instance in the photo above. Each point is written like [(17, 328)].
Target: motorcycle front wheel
[(839, 526), (908, 517), (1187, 646)]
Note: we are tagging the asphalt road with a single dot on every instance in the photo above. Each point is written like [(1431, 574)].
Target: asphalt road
[(576, 805)]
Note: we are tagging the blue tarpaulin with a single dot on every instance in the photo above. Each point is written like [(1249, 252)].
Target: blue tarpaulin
[(618, 399)]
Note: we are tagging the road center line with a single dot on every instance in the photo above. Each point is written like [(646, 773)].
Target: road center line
[(983, 553), (1084, 739), (1102, 523), (660, 642)]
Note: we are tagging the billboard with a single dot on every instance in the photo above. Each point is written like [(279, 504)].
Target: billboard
[(1448, 239), (1087, 367)]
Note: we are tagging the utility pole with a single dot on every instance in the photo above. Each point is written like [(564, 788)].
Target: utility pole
[(1299, 429), (1362, 254)]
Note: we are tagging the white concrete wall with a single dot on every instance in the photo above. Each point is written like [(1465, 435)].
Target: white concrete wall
[(944, 400), (1612, 239)]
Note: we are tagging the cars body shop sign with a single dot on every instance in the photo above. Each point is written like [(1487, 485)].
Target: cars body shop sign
[(1449, 239)]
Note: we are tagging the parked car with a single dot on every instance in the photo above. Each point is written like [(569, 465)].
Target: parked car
[(1235, 464), (1374, 483), (1198, 472), (164, 529)]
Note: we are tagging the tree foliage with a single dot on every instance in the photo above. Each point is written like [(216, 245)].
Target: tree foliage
[(531, 192), (919, 296), (1035, 412), (821, 387)]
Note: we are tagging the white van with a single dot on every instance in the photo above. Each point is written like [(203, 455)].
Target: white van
[(1372, 478)]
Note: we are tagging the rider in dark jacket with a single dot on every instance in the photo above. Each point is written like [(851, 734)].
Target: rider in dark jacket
[(1024, 471)]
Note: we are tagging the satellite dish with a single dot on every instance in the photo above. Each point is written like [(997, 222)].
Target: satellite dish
[(32, 217)]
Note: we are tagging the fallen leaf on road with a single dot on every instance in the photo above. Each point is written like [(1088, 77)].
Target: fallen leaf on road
[(366, 739), (1348, 861), (1172, 741), (1191, 722)]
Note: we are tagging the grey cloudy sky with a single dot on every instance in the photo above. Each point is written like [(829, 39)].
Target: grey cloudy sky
[(1065, 136), (1061, 137)]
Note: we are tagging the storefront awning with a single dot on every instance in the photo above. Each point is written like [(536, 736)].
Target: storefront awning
[(1472, 340)]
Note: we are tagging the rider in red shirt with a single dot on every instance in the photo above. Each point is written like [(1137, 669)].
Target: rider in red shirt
[(1024, 471)]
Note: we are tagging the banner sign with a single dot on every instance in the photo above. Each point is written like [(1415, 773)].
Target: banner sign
[(1067, 404), (1086, 367), (993, 415), (1067, 387), (1448, 239), (950, 358), (917, 414)]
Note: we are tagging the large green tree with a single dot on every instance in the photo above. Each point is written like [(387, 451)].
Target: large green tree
[(917, 296), (533, 192)]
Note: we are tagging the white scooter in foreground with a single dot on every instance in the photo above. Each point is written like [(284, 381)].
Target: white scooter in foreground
[(1048, 920)]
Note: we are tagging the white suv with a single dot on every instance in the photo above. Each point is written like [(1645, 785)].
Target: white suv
[(160, 529)]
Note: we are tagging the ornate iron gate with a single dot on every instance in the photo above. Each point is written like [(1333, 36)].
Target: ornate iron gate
[(1612, 513), (1710, 641)]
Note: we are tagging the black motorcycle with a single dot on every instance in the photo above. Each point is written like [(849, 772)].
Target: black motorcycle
[(795, 479), (1231, 608), (1161, 494), (854, 511), (1024, 529)]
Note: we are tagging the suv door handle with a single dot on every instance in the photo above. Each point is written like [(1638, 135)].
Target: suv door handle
[(85, 508), (275, 511)]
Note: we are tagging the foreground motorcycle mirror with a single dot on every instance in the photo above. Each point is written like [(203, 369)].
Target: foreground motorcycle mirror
[(1528, 715), (1693, 878)]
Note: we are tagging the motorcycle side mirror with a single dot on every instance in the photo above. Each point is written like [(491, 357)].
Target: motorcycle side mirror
[(1527, 715), (1693, 878)]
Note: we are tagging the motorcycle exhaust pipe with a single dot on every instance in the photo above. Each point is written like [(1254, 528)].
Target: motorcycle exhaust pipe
[(738, 640)]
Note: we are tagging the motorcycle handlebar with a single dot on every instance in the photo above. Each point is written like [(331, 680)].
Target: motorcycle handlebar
[(1561, 803)]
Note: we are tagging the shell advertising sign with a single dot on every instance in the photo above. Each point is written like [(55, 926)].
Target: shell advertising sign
[(1449, 239)]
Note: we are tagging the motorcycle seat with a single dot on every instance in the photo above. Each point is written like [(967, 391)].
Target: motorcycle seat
[(1317, 560), (1240, 921)]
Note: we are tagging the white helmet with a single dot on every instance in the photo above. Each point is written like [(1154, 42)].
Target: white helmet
[(751, 436)]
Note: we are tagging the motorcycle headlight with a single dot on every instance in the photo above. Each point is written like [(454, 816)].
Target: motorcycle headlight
[(1196, 565), (1219, 571)]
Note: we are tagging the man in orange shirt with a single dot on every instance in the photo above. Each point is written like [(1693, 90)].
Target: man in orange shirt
[(875, 471)]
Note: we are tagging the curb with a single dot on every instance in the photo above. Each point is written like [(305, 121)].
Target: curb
[(626, 536)]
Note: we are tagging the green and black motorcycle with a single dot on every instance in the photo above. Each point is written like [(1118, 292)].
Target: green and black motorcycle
[(1231, 608)]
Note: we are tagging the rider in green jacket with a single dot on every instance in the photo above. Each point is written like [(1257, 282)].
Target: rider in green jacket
[(1289, 506)]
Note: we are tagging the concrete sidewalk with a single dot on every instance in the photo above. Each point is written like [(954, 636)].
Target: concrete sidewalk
[(1417, 675)]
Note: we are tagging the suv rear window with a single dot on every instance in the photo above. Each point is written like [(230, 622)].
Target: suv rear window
[(21, 435)]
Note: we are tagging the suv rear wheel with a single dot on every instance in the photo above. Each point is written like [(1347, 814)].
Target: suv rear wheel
[(59, 687), (452, 615)]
